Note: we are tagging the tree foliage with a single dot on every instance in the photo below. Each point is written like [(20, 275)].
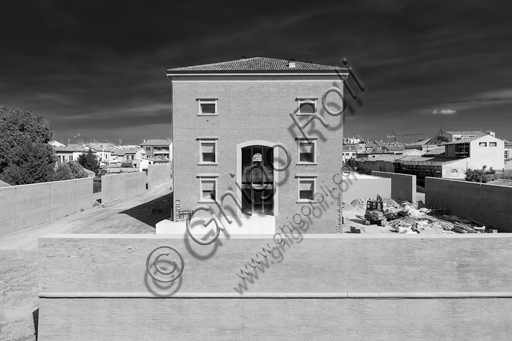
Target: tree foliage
[(483, 175), (25, 155), (69, 171), (89, 161)]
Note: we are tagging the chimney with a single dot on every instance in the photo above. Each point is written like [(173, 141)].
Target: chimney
[(291, 63), (492, 133)]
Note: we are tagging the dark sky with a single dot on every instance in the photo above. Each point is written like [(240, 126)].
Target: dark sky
[(97, 68)]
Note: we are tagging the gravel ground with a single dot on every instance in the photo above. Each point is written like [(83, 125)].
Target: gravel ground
[(18, 253)]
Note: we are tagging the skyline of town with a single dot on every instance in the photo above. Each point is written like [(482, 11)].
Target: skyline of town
[(425, 66)]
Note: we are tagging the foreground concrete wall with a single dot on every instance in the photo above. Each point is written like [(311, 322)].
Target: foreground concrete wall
[(403, 186), (122, 186), (7, 210), (158, 174), (317, 287), (365, 186), (28, 205), (490, 204)]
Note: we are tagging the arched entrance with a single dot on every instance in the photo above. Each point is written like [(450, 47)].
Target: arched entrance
[(256, 177)]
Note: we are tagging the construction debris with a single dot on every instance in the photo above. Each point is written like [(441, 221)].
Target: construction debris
[(407, 218)]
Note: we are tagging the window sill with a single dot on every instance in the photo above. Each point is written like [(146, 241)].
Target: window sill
[(206, 202), (306, 164), (207, 164), (199, 114), (306, 202)]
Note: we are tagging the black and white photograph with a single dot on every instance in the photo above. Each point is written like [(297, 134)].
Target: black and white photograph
[(334, 170)]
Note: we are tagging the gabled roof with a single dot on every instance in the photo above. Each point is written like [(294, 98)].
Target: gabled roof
[(157, 142), (70, 148), (470, 139), (466, 132), (394, 148), (256, 64)]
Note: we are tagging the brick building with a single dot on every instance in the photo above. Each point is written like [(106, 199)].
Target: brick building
[(227, 118)]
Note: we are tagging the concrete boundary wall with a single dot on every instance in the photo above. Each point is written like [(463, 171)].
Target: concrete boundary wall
[(356, 186), (158, 174), (399, 287), (122, 186), (29, 205), (403, 186), (490, 204)]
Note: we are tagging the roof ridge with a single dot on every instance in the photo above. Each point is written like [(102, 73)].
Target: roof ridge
[(255, 64)]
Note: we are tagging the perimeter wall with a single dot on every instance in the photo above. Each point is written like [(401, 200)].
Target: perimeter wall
[(28, 205), (403, 186), (158, 174), (489, 204), (318, 287)]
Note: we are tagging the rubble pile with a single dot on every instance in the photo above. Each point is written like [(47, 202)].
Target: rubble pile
[(359, 203), (410, 219), (406, 218)]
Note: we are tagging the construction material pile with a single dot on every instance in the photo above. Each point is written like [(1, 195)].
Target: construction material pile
[(410, 219)]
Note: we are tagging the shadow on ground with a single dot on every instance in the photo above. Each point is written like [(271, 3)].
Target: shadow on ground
[(152, 211)]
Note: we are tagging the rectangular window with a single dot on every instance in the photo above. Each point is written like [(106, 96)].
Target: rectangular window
[(207, 151), (207, 106), (306, 106), (306, 151), (493, 144), (483, 144), (207, 189), (306, 187), (148, 148)]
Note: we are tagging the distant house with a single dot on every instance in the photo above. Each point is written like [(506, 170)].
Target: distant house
[(455, 135), (450, 160), (158, 149), (397, 150), (350, 151)]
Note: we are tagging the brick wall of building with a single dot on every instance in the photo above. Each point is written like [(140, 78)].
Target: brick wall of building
[(382, 287), (254, 110)]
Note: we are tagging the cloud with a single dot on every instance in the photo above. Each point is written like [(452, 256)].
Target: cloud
[(444, 112)]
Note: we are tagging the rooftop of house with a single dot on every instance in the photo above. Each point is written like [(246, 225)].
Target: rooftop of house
[(466, 132), (157, 142), (414, 159), (351, 147), (69, 148), (256, 64), (469, 139), (394, 148)]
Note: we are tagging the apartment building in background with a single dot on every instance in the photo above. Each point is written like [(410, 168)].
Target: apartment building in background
[(158, 149), (227, 118)]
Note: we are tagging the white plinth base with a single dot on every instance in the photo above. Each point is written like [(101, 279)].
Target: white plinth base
[(255, 224)]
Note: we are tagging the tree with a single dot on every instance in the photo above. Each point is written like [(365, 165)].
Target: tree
[(25, 155), (68, 171), (77, 170), (89, 161)]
